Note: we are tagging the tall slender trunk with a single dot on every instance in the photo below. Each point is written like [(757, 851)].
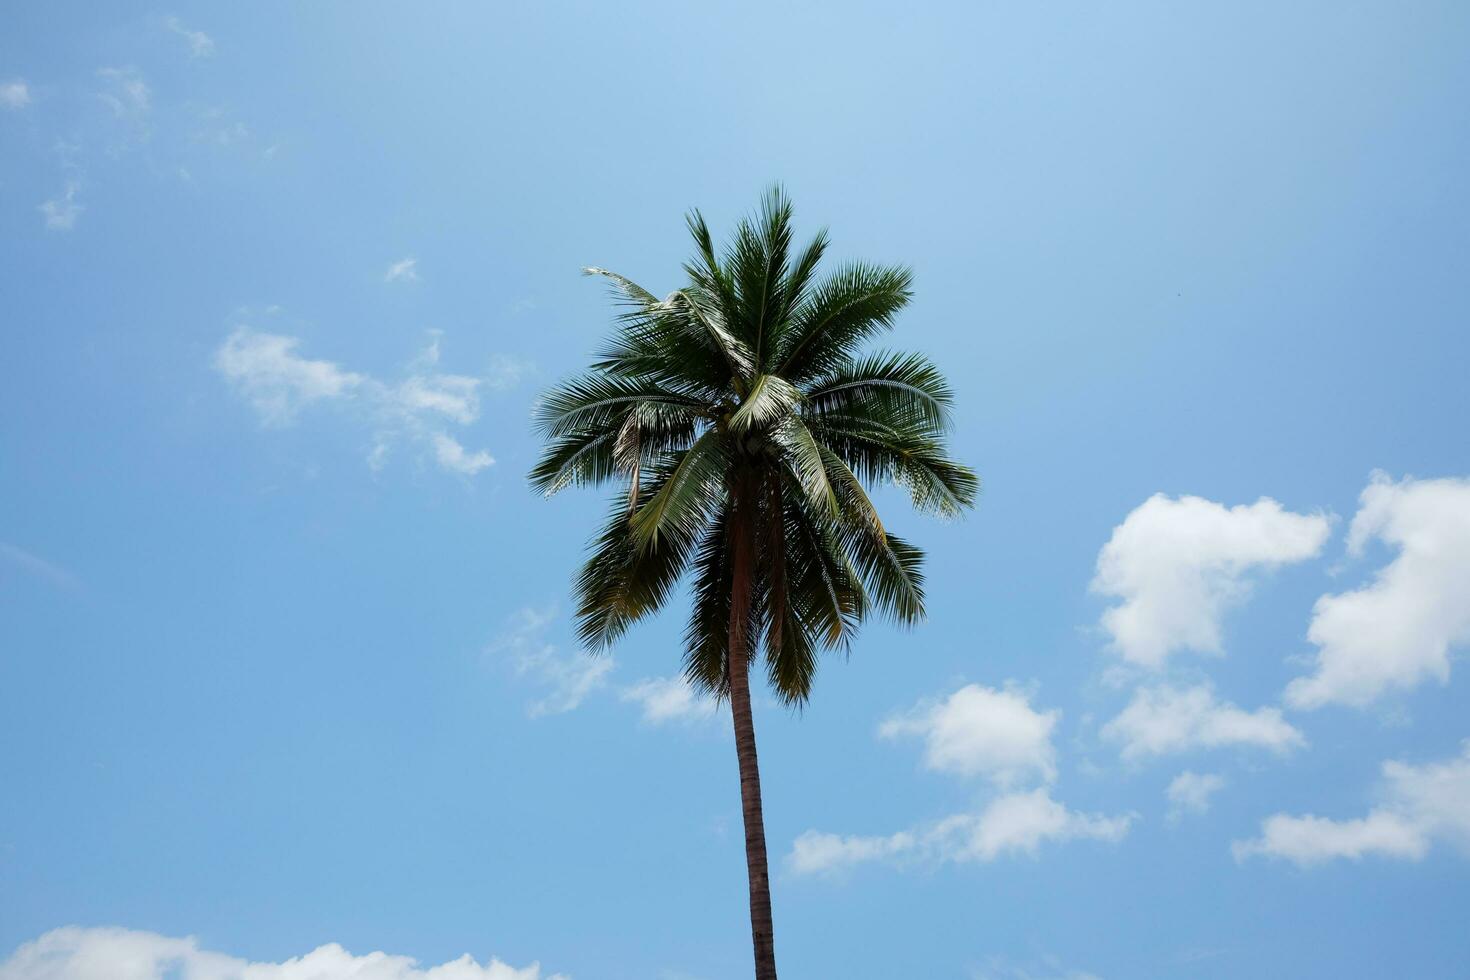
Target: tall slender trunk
[(761, 932)]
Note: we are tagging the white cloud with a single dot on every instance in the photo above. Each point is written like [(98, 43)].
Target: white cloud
[(125, 93), (61, 212), (1421, 805), (76, 953), (1016, 823), (450, 395), (201, 45), (1179, 564), (1398, 631), (815, 852), (1165, 720), (1190, 792), (669, 699), (980, 731), (15, 94), (279, 382), (570, 678), (404, 270), (453, 456)]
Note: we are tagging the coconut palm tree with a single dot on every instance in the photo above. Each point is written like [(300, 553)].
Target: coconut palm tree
[(743, 420)]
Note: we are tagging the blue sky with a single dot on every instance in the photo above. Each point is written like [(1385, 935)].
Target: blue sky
[(285, 658)]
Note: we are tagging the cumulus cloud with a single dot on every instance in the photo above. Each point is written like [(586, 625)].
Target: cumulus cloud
[(1014, 823), (1166, 720), (15, 94), (76, 953), (404, 270), (981, 731), (975, 732), (1178, 564), (1399, 630), (61, 212), (279, 382), (201, 45), (1421, 805), (1190, 792), (668, 699), (568, 678)]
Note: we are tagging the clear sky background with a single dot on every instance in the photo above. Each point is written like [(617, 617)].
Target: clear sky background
[(285, 655)]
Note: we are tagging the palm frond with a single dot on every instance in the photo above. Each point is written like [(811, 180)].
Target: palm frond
[(838, 315), (887, 387), (769, 399), (688, 486), (802, 456)]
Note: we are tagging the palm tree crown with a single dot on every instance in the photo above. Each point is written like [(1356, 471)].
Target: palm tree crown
[(741, 408)]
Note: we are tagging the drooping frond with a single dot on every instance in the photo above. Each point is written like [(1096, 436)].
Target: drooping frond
[(689, 485), (582, 458), (770, 398), (621, 583), (890, 388), (906, 454), (802, 456), (596, 402)]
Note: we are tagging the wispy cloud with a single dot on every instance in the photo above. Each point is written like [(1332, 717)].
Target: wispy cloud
[(507, 372), (15, 94), (201, 45), (37, 566), (276, 379), (1046, 968), (61, 212), (110, 953), (280, 383), (125, 92), (666, 700), (567, 678), (404, 270)]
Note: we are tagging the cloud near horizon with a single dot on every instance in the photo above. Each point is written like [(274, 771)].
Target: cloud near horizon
[(113, 953)]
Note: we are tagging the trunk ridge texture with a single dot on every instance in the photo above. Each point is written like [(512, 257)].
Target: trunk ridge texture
[(762, 933)]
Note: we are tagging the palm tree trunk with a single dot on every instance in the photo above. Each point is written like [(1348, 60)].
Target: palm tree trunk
[(761, 932)]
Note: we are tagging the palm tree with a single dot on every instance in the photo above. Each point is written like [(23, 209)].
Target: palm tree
[(744, 419)]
